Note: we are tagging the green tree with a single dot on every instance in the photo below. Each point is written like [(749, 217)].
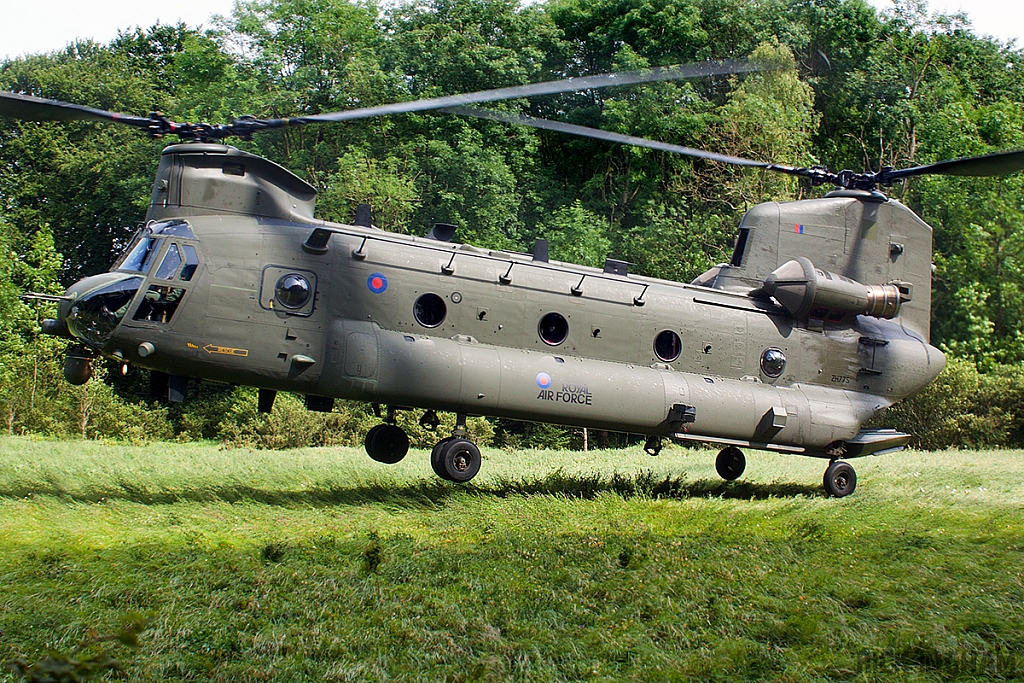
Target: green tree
[(309, 57), (89, 181), (576, 235), (385, 184), (27, 359)]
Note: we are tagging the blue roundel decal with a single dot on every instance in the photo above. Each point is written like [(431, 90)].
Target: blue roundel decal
[(377, 283), (543, 380)]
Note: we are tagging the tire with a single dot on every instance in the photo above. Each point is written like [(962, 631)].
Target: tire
[(840, 479), (460, 460), (730, 463), (368, 440), (436, 461), (388, 445)]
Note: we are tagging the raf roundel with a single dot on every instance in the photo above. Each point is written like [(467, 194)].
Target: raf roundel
[(543, 380), (377, 283)]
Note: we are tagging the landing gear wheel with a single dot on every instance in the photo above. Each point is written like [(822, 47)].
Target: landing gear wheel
[(730, 463), (436, 461), (840, 479), (368, 440), (388, 444), (460, 460)]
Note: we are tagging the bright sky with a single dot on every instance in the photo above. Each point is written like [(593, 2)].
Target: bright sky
[(34, 26), (1003, 19)]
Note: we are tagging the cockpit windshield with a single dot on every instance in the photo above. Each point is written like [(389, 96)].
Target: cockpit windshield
[(140, 255), (173, 228)]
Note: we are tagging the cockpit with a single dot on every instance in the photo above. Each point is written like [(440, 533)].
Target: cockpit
[(146, 244), (100, 303), (93, 317)]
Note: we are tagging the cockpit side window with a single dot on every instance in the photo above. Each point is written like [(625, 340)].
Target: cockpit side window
[(191, 262), (159, 304), (172, 261), (93, 317)]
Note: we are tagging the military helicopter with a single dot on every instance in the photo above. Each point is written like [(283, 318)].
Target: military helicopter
[(819, 320)]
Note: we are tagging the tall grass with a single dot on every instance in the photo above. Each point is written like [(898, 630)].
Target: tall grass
[(318, 564)]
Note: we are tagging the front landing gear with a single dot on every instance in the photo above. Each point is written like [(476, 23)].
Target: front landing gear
[(386, 443), (730, 463), (840, 479)]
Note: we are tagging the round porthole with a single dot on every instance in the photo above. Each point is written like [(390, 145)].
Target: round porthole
[(773, 362), (667, 346), (553, 329), (292, 291), (429, 310)]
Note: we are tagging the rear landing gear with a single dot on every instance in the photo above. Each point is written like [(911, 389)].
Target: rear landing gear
[(653, 445), (840, 479), (730, 463), (456, 458)]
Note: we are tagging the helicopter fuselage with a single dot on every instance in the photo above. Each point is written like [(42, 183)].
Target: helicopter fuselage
[(284, 302), (416, 322)]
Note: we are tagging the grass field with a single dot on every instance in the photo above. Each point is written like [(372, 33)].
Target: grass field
[(553, 566)]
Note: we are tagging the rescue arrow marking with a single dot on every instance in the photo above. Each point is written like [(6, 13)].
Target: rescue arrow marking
[(225, 350)]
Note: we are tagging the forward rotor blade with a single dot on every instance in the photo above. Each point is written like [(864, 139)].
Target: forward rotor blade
[(998, 163), (686, 71), (29, 108), (599, 134)]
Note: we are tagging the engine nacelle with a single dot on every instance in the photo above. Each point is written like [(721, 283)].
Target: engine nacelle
[(808, 292)]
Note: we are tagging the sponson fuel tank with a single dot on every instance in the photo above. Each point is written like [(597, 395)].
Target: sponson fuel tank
[(463, 375)]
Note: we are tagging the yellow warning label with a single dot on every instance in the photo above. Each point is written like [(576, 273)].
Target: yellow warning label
[(225, 350)]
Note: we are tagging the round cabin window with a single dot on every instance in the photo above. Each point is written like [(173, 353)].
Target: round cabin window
[(553, 328), (667, 346), (292, 291), (773, 362), (429, 310)]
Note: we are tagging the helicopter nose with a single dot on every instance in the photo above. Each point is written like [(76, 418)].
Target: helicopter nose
[(88, 313), (55, 327), (93, 308)]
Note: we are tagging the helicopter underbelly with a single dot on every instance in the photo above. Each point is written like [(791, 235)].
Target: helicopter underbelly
[(463, 375)]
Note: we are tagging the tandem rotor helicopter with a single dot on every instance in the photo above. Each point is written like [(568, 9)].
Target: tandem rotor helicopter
[(819, 320)]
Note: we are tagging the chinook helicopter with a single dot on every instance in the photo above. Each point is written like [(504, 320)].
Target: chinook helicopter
[(818, 321)]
